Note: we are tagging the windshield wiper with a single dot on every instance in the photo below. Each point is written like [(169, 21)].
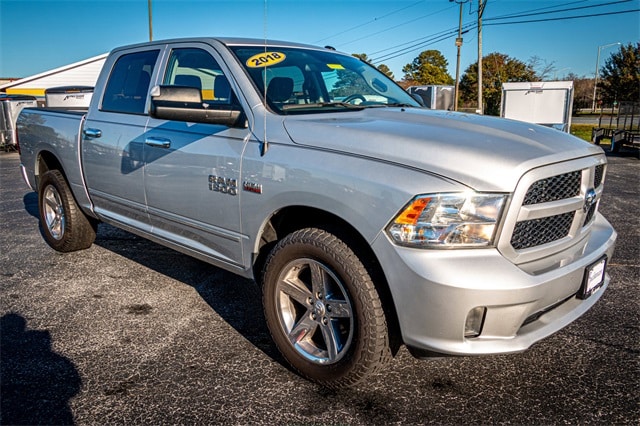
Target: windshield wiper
[(322, 105), (399, 104)]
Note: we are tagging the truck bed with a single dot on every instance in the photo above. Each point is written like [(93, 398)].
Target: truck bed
[(60, 131)]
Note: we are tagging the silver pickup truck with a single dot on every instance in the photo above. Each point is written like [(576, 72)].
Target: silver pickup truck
[(368, 221)]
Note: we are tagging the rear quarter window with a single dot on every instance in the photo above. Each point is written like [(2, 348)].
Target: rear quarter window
[(128, 84)]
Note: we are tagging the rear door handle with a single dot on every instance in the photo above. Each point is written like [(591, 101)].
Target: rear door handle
[(158, 142), (92, 133)]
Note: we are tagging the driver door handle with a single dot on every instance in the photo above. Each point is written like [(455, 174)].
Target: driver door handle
[(158, 142), (92, 133)]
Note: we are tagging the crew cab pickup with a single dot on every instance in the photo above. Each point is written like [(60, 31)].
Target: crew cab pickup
[(368, 221)]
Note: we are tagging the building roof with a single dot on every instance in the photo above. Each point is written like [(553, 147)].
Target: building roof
[(82, 73)]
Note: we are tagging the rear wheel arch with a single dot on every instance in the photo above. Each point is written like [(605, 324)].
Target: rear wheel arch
[(84, 228), (65, 227), (47, 161)]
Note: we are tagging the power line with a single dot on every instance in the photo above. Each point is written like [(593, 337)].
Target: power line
[(543, 8), (564, 18), (414, 41), (438, 37), (420, 45), (452, 32), (398, 25), (427, 42), (369, 22), (521, 15)]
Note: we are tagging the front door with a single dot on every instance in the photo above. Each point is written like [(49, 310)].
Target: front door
[(192, 170)]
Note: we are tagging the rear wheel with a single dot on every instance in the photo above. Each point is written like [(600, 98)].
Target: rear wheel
[(64, 226), (323, 310)]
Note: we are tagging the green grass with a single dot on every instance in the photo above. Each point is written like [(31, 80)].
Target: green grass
[(583, 131)]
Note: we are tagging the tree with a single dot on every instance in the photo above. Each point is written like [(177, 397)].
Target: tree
[(350, 82), (362, 56), (542, 67), (621, 75), (497, 68), (582, 91), (430, 67), (382, 67), (385, 70)]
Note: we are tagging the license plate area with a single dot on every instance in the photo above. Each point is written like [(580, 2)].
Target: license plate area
[(593, 279)]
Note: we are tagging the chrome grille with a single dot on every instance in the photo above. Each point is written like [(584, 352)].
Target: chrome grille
[(599, 174), (554, 188), (531, 233), (554, 206), (590, 213)]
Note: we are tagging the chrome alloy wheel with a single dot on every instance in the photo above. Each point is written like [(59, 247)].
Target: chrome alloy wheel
[(314, 311), (53, 212)]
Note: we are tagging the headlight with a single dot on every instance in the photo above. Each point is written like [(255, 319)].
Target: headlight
[(448, 220)]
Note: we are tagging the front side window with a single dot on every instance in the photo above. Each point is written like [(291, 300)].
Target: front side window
[(192, 67), (128, 84), (303, 81)]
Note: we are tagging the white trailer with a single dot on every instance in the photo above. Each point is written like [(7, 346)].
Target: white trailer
[(549, 103), (10, 107), (69, 97)]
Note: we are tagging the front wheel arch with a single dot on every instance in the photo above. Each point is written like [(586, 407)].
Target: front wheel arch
[(293, 218)]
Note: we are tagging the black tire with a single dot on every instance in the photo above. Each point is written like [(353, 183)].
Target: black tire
[(323, 310), (64, 226)]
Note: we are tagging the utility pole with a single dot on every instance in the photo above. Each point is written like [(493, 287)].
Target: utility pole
[(458, 45), (595, 82), (481, 7), (150, 23)]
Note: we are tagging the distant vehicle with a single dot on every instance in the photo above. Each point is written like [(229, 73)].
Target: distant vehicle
[(369, 221), (10, 107)]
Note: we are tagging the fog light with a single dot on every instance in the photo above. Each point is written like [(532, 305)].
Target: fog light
[(474, 322)]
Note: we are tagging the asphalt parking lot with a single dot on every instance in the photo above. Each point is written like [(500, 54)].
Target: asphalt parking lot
[(129, 332)]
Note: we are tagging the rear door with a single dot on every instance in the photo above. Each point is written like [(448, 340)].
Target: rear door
[(113, 138), (192, 170)]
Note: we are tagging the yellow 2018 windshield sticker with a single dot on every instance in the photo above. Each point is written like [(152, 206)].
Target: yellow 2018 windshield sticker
[(265, 59), (335, 66)]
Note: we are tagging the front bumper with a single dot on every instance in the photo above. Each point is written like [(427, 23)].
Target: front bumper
[(434, 290)]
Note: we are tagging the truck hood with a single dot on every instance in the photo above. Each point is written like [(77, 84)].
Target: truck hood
[(484, 153)]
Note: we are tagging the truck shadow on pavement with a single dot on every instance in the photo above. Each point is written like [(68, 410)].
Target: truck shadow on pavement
[(30, 201), (237, 300), (625, 152), (36, 383)]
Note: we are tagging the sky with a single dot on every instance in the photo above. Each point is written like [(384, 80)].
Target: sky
[(37, 36)]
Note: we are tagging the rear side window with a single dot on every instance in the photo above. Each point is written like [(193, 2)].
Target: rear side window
[(128, 84)]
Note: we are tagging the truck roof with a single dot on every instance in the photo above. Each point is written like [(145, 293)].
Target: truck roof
[(227, 41)]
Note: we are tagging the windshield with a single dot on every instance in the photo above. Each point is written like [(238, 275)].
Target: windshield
[(304, 81)]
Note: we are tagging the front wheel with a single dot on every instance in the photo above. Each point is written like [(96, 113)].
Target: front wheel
[(323, 310), (64, 226)]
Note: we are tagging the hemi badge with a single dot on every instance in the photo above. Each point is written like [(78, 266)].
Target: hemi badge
[(252, 187)]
